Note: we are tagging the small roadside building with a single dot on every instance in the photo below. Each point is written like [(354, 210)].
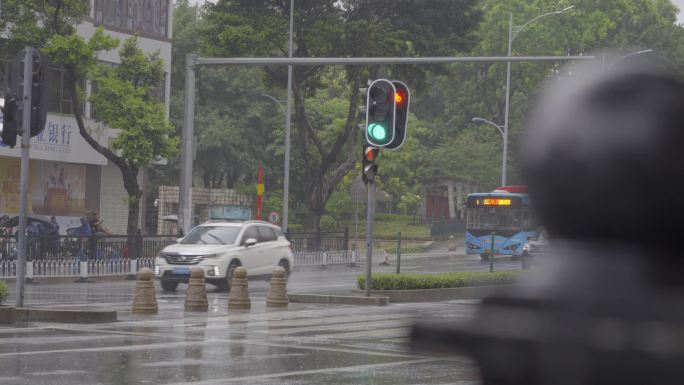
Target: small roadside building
[(443, 197)]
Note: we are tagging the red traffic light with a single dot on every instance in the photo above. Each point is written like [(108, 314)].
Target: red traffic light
[(399, 97), (370, 153)]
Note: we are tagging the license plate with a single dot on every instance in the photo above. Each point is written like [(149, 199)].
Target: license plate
[(181, 270)]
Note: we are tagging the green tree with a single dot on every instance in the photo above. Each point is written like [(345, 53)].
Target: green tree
[(124, 97), (325, 145), (453, 98), (237, 129)]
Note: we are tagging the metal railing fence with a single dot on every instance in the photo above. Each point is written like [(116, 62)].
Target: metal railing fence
[(303, 241), (99, 255), (82, 256)]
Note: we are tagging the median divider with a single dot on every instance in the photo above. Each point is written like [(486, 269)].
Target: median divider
[(333, 299), (435, 295), (11, 315)]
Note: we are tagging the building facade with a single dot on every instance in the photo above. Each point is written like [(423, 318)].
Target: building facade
[(67, 177)]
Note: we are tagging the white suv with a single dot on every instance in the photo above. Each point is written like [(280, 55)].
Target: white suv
[(219, 247)]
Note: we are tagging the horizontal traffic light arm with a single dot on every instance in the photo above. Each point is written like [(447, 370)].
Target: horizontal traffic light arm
[(263, 61)]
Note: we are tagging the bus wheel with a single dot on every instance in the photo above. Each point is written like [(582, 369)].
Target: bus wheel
[(484, 257)]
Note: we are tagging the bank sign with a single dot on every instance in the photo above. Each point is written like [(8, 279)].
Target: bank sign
[(60, 141)]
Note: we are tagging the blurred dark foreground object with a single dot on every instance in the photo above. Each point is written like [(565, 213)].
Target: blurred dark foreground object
[(603, 158)]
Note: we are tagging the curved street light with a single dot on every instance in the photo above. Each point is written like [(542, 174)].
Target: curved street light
[(519, 29), (512, 37), (623, 57), (485, 121), (275, 100), (503, 136)]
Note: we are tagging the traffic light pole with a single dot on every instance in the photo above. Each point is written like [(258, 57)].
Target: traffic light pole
[(23, 181), (187, 146), (369, 237), (192, 61)]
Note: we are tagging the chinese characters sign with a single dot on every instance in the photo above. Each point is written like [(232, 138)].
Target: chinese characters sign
[(60, 141)]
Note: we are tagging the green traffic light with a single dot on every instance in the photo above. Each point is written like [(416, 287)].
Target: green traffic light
[(377, 132)]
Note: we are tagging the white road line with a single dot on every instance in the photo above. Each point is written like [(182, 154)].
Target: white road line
[(143, 346), (306, 372)]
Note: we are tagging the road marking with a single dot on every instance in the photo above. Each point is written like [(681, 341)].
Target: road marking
[(197, 342), (313, 371)]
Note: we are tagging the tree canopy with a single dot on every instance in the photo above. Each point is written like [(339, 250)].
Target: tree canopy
[(238, 128)]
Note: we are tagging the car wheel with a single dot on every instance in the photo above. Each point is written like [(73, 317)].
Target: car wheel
[(169, 285), (229, 276), (285, 265)]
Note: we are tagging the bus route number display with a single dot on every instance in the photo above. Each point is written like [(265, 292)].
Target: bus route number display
[(493, 202)]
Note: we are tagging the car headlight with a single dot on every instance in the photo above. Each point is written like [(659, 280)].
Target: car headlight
[(212, 256), (526, 247), (213, 271)]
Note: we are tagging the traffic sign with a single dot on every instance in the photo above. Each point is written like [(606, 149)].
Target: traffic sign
[(273, 217)]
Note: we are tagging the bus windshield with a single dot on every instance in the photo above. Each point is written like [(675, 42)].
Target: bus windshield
[(495, 218)]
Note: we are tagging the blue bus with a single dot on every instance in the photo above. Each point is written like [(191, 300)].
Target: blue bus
[(507, 213)]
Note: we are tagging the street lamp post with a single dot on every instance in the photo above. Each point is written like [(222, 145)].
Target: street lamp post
[(286, 173), (511, 37), (503, 136), (286, 178)]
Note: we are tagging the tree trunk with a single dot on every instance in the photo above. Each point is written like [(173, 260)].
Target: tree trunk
[(328, 170), (133, 214), (129, 172)]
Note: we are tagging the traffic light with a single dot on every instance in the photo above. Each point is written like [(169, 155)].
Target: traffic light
[(380, 113), (402, 97), (39, 93), (8, 134), (370, 168)]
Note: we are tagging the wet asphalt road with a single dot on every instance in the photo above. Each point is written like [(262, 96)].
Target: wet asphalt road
[(305, 344)]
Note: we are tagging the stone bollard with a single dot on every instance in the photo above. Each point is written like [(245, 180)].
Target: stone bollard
[(145, 299), (239, 292), (196, 296), (451, 246), (277, 295)]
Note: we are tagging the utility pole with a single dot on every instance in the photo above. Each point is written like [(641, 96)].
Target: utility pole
[(24, 175), (187, 148), (288, 118)]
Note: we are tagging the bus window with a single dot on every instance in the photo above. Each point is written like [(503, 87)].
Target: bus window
[(494, 218)]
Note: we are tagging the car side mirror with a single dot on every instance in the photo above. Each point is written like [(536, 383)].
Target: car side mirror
[(250, 242), (178, 240)]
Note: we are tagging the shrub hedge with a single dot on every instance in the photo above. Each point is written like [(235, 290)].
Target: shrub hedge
[(4, 292), (389, 281)]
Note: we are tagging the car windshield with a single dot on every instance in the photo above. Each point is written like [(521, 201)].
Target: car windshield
[(212, 235)]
